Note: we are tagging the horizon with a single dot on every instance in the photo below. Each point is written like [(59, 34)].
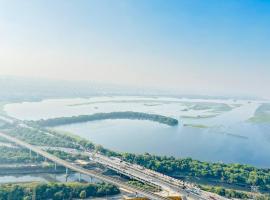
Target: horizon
[(15, 82), (135, 99), (189, 47)]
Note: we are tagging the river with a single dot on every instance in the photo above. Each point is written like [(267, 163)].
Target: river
[(44, 177), (211, 132)]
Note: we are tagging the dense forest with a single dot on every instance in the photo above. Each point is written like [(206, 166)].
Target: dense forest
[(113, 115), (55, 191), (39, 137), (230, 193), (10, 155), (242, 175)]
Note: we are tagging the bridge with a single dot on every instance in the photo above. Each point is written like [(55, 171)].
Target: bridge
[(172, 186), (165, 183), (81, 170)]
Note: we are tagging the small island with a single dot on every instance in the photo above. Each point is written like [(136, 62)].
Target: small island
[(103, 116), (262, 114)]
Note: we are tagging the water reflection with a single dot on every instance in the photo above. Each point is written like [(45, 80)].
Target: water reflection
[(227, 137), (238, 143), (45, 177)]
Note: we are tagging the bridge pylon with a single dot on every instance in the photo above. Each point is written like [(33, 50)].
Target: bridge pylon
[(80, 177), (30, 153), (66, 174)]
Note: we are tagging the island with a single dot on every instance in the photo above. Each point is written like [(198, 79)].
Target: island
[(262, 114), (103, 116)]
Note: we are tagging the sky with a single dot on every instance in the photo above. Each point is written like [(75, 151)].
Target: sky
[(214, 47)]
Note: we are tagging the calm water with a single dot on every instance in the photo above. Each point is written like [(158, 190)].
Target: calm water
[(202, 144), (44, 178), (228, 138)]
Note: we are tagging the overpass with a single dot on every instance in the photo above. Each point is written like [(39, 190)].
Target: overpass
[(166, 183), (171, 185), (81, 170)]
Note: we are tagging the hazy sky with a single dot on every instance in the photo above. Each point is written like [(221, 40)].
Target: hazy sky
[(209, 47)]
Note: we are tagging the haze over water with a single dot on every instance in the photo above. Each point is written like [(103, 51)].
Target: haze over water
[(227, 137)]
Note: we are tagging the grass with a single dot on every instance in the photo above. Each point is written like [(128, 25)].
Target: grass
[(67, 133), (260, 119), (124, 101), (215, 107), (143, 186), (196, 125), (262, 114), (198, 116)]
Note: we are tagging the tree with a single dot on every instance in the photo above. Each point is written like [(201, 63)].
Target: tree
[(83, 194), (16, 193), (59, 196)]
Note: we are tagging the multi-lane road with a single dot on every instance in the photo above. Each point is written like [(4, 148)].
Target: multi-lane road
[(172, 186), (168, 184), (81, 170)]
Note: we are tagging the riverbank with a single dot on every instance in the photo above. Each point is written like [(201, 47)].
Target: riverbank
[(56, 190), (103, 116)]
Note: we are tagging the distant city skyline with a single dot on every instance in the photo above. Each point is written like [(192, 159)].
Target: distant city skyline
[(191, 46)]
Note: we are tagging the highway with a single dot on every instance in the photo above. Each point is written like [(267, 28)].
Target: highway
[(81, 170), (168, 184), (136, 172), (171, 185)]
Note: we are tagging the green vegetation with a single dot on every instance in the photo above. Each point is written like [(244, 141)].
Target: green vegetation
[(263, 197), (212, 106), (40, 138), (113, 115), (198, 116), (9, 155), (210, 109), (242, 175), (144, 101), (66, 156), (74, 139), (262, 114), (55, 191), (139, 184), (234, 174), (196, 125), (230, 193)]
